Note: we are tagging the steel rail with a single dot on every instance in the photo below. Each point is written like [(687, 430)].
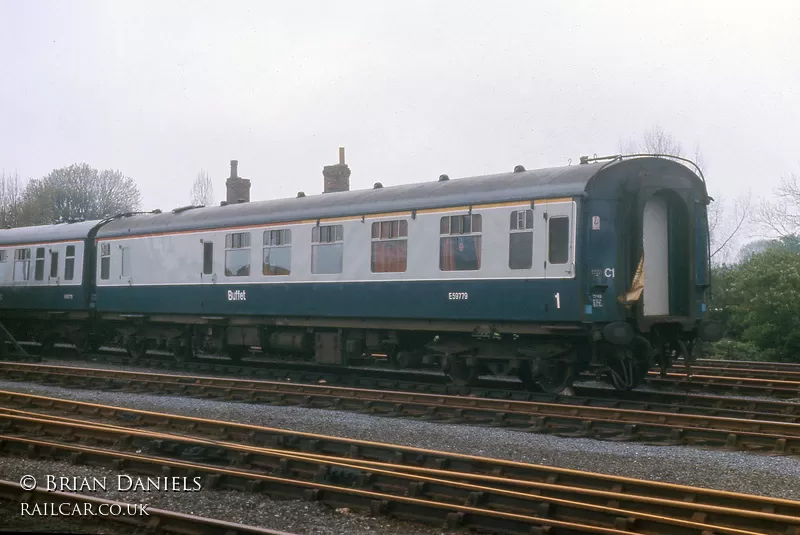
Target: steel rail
[(567, 420), (715, 383), (749, 364), (532, 500), (507, 483), (358, 451), (156, 519), (430, 383), (744, 373), (378, 503)]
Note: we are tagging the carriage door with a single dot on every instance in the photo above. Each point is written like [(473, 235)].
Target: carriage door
[(208, 275), (655, 242), (558, 218)]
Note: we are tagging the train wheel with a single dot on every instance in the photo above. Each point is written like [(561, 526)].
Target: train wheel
[(555, 376), (460, 373)]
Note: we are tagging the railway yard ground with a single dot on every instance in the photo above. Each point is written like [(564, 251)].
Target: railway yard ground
[(704, 462)]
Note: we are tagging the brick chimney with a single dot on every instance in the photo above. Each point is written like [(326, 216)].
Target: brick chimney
[(337, 177), (237, 188)]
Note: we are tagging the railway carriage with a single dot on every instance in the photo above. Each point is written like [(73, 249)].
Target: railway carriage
[(45, 281), (536, 274)]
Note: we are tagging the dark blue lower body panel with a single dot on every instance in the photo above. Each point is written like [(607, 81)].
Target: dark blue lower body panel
[(493, 300), (66, 298)]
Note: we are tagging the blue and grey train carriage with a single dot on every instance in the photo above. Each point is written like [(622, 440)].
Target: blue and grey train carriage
[(536, 274), (45, 281)]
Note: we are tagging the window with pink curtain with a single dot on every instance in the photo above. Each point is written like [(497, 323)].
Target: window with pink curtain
[(389, 246), (460, 243)]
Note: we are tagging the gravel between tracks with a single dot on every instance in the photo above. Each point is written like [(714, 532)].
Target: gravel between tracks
[(733, 471)]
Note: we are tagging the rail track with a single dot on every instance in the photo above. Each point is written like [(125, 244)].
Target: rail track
[(764, 432), (407, 483), (671, 394), (154, 519), (730, 377), (749, 364)]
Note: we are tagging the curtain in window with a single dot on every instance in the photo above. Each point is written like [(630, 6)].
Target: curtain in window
[(460, 253), (389, 256)]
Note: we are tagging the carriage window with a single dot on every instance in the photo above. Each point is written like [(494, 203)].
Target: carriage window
[(105, 260), (558, 240), (520, 244), (460, 245), (208, 257), (69, 263), (277, 252), (38, 268), (327, 249), (389, 246), (53, 264), (237, 254), (22, 264), (2, 265)]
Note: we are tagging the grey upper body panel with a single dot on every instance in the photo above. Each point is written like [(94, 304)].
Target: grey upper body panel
[(542, 183), (47, 233)]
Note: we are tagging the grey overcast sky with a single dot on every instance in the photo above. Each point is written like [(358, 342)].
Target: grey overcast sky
[(412, 89)]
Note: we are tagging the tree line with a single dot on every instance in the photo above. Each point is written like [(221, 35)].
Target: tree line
[(78, 192)]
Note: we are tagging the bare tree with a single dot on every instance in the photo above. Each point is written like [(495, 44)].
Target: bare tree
[(78, 192), (654, 141), (725, 224), (202, 190), (11, 202), (782, 216)]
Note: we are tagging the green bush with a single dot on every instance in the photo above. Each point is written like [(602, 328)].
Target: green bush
[(727, 349), (759, 302)]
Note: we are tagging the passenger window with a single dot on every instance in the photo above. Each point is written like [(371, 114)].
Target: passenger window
[(53, 264), (558, 240), (237, 255), (389, 246), (277, 252), (38, 268), (105, 261), (3, 265), (22, 264), (69, 263), (520, 245), (460, 247), (327, 247), (208, 257)]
